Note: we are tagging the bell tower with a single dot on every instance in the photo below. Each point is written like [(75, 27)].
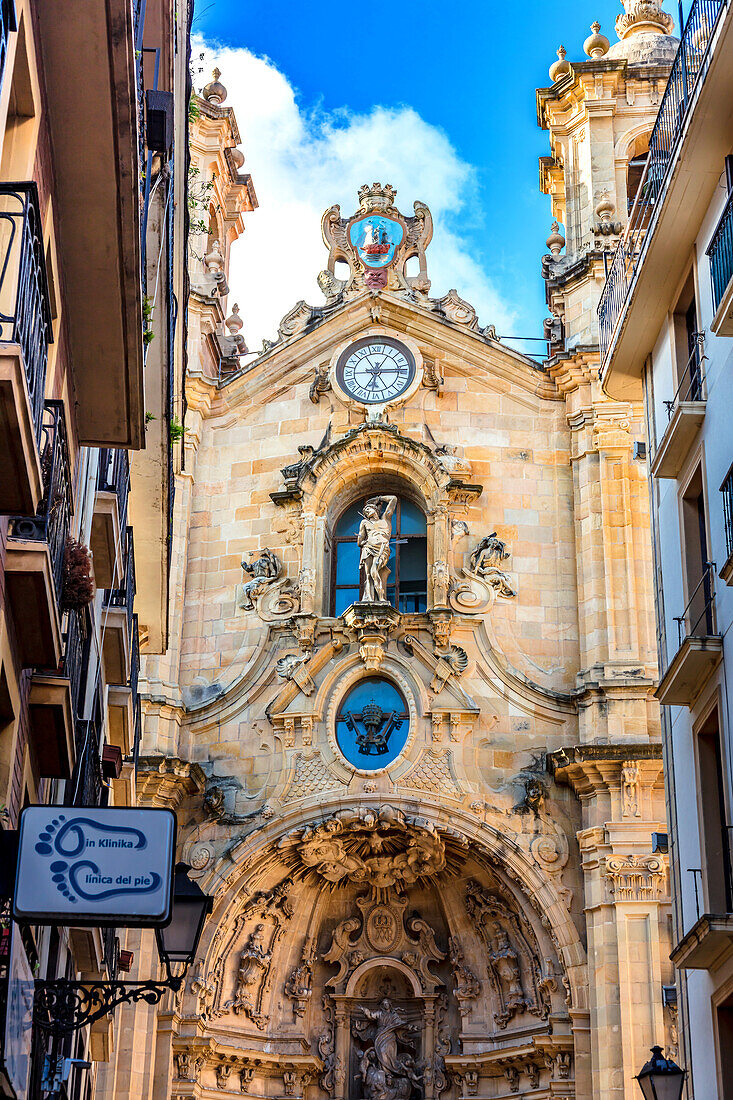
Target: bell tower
[(599, 113)]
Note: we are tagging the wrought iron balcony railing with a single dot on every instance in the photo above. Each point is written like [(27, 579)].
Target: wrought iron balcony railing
[(87, 785), (125, 595), (698, 618), (134, 679), (688, 69), (25, 309), (720, 251), (77, 639), (727, 490), (113, 476), (52, 521), (8, 23), (692, 383)]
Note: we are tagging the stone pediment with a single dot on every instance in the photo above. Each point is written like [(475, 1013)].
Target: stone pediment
[(370, 436)]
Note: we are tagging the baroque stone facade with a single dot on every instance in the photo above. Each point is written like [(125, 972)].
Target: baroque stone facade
[(425, 821)]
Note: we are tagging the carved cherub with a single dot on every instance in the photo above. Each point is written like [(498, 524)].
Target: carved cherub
[(264, 569)]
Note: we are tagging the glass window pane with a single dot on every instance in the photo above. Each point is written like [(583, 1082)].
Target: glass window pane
[(347, 563), (348, 523), (344, 598), (412, 519), (413, 561)]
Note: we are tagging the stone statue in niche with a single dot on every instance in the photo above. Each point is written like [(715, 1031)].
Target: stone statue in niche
[(254, 963), (505, 962), (373, 539), (388, 1073), (263, 570)]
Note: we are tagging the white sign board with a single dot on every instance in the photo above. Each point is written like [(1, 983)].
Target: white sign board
[(95, 866)]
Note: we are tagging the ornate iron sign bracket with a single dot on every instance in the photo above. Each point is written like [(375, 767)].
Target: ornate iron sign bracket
[(62, 1006)]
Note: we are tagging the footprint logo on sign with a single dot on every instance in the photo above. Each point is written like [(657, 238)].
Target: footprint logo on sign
[(68, 838)]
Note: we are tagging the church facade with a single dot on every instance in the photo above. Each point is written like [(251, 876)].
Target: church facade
[(406, 717)]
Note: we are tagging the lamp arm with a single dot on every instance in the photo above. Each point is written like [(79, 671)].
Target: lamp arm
[(62, 1006)]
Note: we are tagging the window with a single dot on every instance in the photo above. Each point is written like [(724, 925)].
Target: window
[(699, 612), (634, 172), (407, 588), (688, 346), (372, 724), (725, 1049), (727, 490), (715, 846)]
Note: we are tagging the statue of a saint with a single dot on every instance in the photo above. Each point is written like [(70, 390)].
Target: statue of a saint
[(506, 964), (254, 962), (373, 538), (263, 569), (386, 1073)]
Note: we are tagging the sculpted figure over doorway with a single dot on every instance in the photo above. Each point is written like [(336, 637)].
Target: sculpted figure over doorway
[(387, 1074), (373, 538)]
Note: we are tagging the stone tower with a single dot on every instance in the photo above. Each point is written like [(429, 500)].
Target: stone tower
[(599, 113)]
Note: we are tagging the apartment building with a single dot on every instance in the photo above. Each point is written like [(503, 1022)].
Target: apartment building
[(93, 149), (666, 322)]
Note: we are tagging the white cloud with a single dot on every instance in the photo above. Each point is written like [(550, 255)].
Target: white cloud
[(303, 161)]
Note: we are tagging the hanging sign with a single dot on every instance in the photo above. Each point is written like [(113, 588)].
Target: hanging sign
[(83, 865)]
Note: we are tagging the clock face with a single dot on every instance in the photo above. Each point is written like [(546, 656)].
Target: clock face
[(376, 369)]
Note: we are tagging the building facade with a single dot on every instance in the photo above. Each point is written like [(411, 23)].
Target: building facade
[(666, 333), (406, 713), (92, 218)]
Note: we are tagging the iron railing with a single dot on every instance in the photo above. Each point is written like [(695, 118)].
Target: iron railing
[(125, 595), (25, 309), (113, 476), (87, 785), (77, 641), (51, 522), (8, 23), (727, 490), (698, 618), (689, 67), (692, 383), (720, 251), (134, 680)]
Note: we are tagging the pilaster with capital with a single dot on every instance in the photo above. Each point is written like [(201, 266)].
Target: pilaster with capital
[(627, 901)]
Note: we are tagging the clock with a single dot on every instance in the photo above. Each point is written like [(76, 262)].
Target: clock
[(375, 370)]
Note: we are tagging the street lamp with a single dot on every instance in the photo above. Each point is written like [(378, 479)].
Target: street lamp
[(178, 941), (661, 1078), (61, 1006)]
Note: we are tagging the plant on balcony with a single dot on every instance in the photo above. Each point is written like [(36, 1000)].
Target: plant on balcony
[(77, 586), (148, 334)]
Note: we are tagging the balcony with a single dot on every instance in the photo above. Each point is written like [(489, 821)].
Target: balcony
[(109, 521), (707, 945), (685, 414), (56, 700), (25, 333), (123, 709), (87, 786), (35, 551), (97, 208), (700, 649), (720, 252), (726, 573), (117, 621), (691, 136)]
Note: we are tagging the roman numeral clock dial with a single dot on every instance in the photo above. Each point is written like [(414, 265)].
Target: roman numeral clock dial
[(375, 370)]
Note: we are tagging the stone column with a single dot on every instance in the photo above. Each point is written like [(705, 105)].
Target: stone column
[(626, 904)]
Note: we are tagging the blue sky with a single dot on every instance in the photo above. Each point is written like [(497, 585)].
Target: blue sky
[(439, 97)]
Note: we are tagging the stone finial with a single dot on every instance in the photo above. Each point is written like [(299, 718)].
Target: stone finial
[(234, 322), (215, 92), (561, 66), (555, 242), (643, 17), (214, 259), (237, 157), (597, 44), (606, 207)]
